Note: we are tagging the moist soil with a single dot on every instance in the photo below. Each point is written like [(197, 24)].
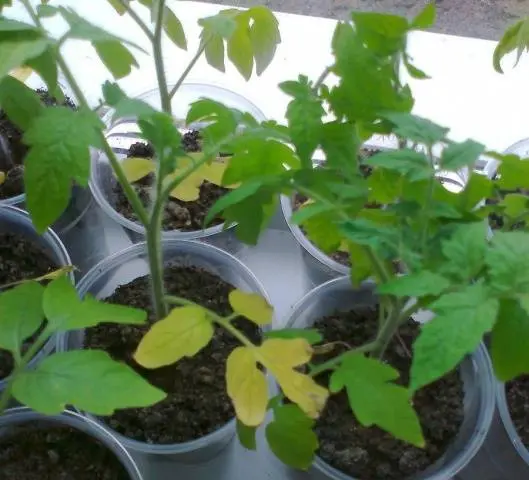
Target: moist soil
[(197, 402), (517, 393), (56, 453), (14, 148), (370, 453), (339, 256), (178, 215), (20, 259)]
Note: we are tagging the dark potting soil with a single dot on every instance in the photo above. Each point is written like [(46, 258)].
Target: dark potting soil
[(496, 220), (178, 215), (517, 394), (12, 138), (19, 259), (197, 402), (56, 453), (371, 453)]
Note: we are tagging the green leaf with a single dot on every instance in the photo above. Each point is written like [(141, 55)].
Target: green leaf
[(5, 3), (232, 198), (515, 204), (508, 262), (174, 29), (477, 188), (60, 140), (88, 379), (413, 71), (416, 128), (311, 335), (383, 33), (264, 36), (117, 6), (223, 24), (47, 11), (322, 230), (215, 53), (20, 315), (21, 104), (510, 355), (304, 114), (458, 155), (15, 53), (375, 400), (116, 57), (220, 120), (465, 251), (413, 164), (340, 143), (306, 212), (246, 436), (370, 234), (417, 284), (385, 186), (290, 436), (426, 17), (462, 318), (240, 50), (516, 37), (123, 105), (361, 267), (513, 172), (64, 310), (46, 66)]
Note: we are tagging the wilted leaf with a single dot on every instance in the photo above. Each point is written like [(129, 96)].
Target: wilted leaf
[(21, 73), (183, 333), (246, 386), (136, 168), (240, 50), (264, 36), (88, 379), (252, 306)]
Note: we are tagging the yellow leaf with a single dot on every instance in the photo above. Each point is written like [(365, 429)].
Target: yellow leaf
[(214, 171), (252, 306), (21, 73), (280, 356), (183, 333), (2, 177), (246, 386), (288, 352), (136, 168)]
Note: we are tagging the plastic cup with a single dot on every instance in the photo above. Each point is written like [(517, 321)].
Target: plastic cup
[(14, 220), (22, 415), (123, 133), (476, 374), (131, 263)]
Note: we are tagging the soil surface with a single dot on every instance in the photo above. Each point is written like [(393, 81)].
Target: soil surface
[(197, 402), (496, 220), (470, 18), (178, 215), (19, 259), (517, 393), (56, 453), (371, 453), (14, 149)]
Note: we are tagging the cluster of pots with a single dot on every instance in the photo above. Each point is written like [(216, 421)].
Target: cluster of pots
[(212, 250)]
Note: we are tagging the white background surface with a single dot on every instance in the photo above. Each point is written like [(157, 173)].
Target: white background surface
[(464, 92)]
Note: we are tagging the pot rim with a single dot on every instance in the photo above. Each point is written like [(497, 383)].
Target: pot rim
[(130, 253), (137, 227), (486, 378), (503, 408), (74, 420)]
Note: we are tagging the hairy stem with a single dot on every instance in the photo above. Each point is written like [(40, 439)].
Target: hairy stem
[(132, 14), (154, 252), (191, 64), (20, 366), (158, 59), (322, 77), (427, 206), (333, 362)]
